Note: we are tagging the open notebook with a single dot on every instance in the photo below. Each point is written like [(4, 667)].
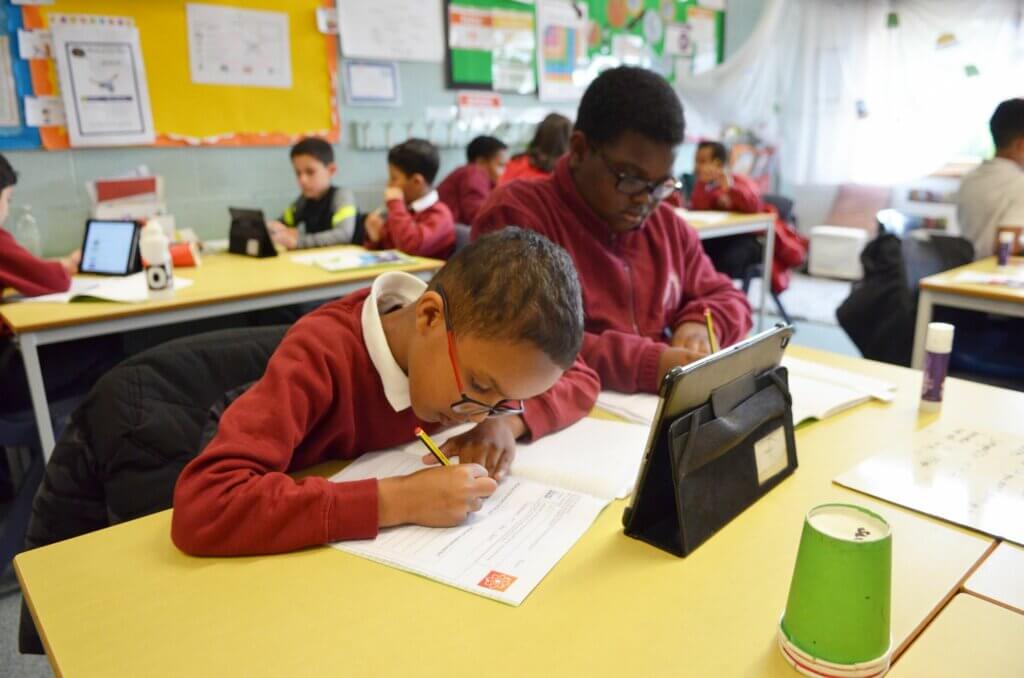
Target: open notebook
[(129, 289), (354, 258), (556, 489), (818, 392)]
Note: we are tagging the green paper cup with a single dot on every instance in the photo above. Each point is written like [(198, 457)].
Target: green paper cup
[(837, 616)]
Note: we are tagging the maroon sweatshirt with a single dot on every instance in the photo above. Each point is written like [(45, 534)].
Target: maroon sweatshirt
[(636, 285), (424, 233), (26, 272), (321, 398), (464, 192)]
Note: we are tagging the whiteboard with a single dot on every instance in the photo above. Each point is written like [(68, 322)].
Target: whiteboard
[(403, 30)]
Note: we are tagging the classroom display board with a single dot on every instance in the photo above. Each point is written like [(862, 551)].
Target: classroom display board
[(225, 73), (555, 47)]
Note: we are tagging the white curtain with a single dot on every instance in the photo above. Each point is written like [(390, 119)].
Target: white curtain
[(849, 94)]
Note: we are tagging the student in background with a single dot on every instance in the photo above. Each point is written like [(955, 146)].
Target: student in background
[(323, 214), (992, 196), (466, 188), (646, 280), (497, 325), (415, 220), (716, 188), (550, 142), (68, 367)]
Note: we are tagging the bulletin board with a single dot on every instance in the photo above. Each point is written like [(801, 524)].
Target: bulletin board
[(471, 68), (190, 114)]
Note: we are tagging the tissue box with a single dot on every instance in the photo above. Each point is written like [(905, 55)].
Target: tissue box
[(835, 252)]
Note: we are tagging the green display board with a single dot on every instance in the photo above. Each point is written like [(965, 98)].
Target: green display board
[(470, 66)]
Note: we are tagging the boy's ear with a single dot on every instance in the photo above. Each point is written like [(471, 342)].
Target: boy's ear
[(429, 313), (332, 168), (577, 148)]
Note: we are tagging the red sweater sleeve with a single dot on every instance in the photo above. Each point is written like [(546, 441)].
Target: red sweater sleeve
[(473, 194), (742, 193), (704, 287), (569, 400), (626, 362), (235, 498), (430, 233), (26, 272)]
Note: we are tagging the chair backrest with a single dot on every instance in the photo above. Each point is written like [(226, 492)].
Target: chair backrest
[(926, 253), (462, 232), (782, 205)]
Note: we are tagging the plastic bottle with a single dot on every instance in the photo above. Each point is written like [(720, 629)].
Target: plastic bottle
[(938, 344), (157, 256), (1005, 245), (26, 232)]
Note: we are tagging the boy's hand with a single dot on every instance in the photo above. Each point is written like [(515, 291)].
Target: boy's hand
[(491, 444), (71, 262), (393, 193), (284, 236), (374, 224), (693, 336), (675, 356), (435, 497)]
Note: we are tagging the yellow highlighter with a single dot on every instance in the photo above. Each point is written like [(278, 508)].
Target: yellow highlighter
[(712, 339), (432, 446)]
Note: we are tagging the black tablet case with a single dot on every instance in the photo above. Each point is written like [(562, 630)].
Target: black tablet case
[(703, 471)]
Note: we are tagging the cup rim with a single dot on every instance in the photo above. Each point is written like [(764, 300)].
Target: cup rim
[(810, 665), (845, 505)]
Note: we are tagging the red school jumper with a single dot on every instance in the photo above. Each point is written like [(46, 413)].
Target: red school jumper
[(464, 191), (636, 285), (321, 398), (429, 232)]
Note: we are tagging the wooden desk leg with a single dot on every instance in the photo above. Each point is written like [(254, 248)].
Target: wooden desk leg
[(924, 316), (29, 346), (766, 279)]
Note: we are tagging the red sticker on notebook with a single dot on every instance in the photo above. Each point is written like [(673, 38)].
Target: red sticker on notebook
[(497, 581)]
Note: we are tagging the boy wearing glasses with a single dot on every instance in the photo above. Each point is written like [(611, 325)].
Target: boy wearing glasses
[(497, 326), (646, 280)]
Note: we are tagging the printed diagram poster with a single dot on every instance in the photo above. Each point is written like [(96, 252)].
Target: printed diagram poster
[(512, 56), (102, 80), (562, 38), (245, 47)]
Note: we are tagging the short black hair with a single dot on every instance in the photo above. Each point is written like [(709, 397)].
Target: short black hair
[(314, 147), (484, 147), (416, 156), (631, 99), (1007, 123), (718, 150), (516, 285), (8, 177)]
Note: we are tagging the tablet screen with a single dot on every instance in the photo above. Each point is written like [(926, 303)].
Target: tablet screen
[(109, 247)]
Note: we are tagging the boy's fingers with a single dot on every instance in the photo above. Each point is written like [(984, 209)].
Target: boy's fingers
[(484, 487)]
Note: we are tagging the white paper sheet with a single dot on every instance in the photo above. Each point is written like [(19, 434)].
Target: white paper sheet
[(347, 260), (102, 80), (9, 116), (1013, 276), (232, 46), (44, 111), (969, 477), (515, 44), (706, 217), (35, 44), (404, 30), (371, 83), (501, 552), (129, 289)]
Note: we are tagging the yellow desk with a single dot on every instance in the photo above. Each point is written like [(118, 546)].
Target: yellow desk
[(1000, 579), (224, 284), (124, 601), (942, 289), (724, 224), (970, 637)]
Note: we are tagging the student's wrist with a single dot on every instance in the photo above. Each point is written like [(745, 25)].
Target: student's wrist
[(514, 423), (391, 509)]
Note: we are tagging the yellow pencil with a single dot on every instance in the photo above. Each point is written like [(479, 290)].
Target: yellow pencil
[(432, 446), (712, 339)]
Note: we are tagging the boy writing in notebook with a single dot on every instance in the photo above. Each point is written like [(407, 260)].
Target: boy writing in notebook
[(466, 188), (415, 220), (646, 280), (323, 214), (498, 325)]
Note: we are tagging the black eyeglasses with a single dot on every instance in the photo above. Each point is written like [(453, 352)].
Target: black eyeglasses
[(467, 405), (631, 185)]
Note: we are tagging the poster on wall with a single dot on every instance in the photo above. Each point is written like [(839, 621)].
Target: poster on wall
[(102, 80), (9, 116), (403, 30), (703, 25), (245, 47), (512, 56), (562, 49)]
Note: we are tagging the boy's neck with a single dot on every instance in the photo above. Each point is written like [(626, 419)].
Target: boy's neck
[(423, 192), (398, 328), (322, 195)]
